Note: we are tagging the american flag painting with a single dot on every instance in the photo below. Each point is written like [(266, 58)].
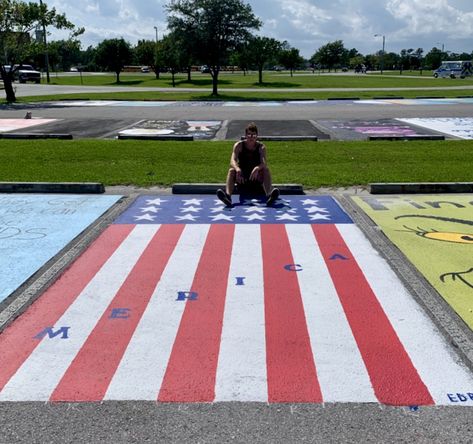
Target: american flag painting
[(183, 300)]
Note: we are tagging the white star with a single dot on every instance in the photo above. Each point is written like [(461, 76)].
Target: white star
[(222, 216), (192, 201), (319, 216), (216, 209), (187, 217), (150, 209), (190, 210), (287, 216), (255, 210), (309, 202), (253, 202), (254, 217), (156, 201), (218, 202), (315, 209), (145, 217)]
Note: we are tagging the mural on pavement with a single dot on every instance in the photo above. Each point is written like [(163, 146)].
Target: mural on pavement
[(199, 129), (33, 228), (185, 300), (461, 127), (21, 124), (435, 232)]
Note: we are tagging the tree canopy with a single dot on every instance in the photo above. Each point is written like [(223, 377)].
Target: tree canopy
[(215, 28), (113, 55), (18, 21)]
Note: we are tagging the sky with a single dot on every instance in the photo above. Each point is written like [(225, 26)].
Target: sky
[(305, 24)]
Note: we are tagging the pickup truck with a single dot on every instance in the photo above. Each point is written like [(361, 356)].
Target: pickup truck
[(25, 73)]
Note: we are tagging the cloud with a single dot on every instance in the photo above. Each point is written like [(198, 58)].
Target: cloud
[(305, 24)]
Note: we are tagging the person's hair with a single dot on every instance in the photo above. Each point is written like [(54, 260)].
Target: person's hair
[(251, 128)]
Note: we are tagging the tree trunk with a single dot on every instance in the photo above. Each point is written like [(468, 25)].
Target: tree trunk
[(260, 75), (189, 69), (215, 81), (173, 79), (9, 91), (118, 76)]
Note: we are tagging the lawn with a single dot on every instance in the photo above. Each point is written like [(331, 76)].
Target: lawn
[(270, 80), (312, 164)]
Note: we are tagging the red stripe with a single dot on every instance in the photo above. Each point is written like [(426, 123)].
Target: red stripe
[(17, 342), (191, 371), (393, 376), (91, 371), (292, 376)]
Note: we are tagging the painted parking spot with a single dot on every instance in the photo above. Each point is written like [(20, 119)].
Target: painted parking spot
[(418, 102), (33, 228), (183, 300), (461, 127), (236, 128), (361, 129), (435, 233), (199, 129), (19, 124)]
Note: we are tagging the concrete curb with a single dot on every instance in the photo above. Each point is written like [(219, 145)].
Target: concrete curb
[(156, 137), (35, 136), (342, 98), (417, 188), (211, 188), (415, 137), (52, 187)]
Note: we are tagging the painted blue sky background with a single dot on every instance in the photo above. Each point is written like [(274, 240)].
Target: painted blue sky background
[(305, 24)]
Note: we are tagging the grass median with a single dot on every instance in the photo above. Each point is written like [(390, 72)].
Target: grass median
[(312, 164)]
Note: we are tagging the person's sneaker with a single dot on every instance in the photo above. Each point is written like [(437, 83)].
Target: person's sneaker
[(224, 197), (272, 197)]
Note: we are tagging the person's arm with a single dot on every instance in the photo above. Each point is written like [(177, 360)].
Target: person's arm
[(234, 161)]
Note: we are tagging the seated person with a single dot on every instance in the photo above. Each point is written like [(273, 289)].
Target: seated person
[(247, 166)]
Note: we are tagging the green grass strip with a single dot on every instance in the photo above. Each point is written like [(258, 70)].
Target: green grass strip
[(312, 164)]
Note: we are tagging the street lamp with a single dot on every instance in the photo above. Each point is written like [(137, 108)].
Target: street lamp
[(382, 52), (156, 30), (46, 55)]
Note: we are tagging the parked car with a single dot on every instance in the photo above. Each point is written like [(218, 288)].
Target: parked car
[(145, 69), (204, 69), (24, 73)]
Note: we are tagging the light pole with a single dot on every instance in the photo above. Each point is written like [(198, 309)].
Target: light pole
[(156, 30), (46, 55), (443, 46), (382, 52)]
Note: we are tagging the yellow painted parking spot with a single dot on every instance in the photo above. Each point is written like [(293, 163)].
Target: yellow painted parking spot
[(435, 232)]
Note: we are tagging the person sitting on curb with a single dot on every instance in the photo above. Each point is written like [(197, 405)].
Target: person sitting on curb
[(247, 166)]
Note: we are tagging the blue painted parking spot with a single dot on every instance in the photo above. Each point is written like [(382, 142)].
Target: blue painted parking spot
[(33, 228)]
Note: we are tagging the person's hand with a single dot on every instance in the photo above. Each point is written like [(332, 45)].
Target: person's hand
[(239, 176), (254, 174)]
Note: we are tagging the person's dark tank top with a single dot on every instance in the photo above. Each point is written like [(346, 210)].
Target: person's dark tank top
[(248, 159)]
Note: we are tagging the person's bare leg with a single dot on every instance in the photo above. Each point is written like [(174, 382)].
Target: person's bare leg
[(230, 184), (267, 182)]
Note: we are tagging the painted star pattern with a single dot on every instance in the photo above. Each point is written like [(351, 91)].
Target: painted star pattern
[(209, 210)]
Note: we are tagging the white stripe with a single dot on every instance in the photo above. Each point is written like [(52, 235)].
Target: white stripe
[(241, 371), (340, 368), (36, 379), (141, 371), (438, 366)]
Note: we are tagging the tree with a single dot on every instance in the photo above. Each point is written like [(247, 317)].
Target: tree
[(146, 54), (433, 59), (64, 53), (173, 55), (113, 55), (261, 50), (215, 28), (18, 21), (331, 55), (290, 57)]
